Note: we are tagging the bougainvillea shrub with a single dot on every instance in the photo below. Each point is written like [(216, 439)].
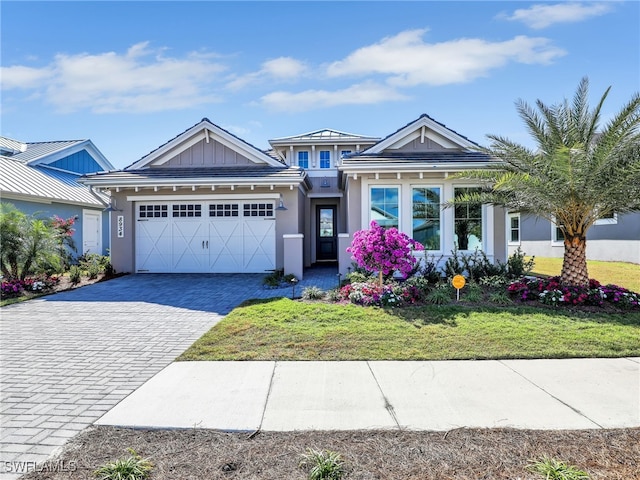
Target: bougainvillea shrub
[(16, 287), (384, 250)]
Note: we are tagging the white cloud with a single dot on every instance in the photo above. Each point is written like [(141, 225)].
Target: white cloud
[(141, 80), (23, 77), (545, 15), (279, 69), (360, 94), (409, 61)]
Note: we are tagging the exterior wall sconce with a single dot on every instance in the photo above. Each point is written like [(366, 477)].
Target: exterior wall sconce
[(325, 183), (281, 206)]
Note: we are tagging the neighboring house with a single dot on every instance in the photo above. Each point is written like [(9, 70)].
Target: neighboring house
[(41, 178), (207, 201), (616, 238)]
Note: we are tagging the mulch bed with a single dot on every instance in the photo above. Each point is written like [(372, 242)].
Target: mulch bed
[(461, 454)]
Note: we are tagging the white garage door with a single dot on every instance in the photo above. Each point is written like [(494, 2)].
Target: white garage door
[(209, 237)]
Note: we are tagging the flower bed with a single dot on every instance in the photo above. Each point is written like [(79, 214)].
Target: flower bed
[(38, 284), (550, 292)]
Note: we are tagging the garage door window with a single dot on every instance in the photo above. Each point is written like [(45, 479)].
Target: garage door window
[(152, 211), (187, 210), (258, 209), (223, 210)]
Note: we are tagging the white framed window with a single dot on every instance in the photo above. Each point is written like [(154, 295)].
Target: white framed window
[(384, 205), (557, 237), (426, 216), (344, 153), (609, 219), (258, 209), (467, 222), (303, 159), (325, 159), (513, 229)]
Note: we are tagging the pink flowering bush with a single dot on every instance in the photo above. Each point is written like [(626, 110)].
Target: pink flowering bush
[(374, 294), (384, 251)]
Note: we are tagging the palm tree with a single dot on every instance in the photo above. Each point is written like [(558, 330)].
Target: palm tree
[(579, 171)]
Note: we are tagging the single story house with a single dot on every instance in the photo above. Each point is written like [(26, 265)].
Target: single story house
[(207, 201), (42, 179), (615, 238)]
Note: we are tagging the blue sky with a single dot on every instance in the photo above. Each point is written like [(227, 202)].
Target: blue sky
[(132, 75)]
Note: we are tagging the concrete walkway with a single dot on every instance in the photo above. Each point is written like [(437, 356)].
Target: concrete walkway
[(441, 395)]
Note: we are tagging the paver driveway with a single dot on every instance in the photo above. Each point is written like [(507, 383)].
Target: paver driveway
[(68, 358)]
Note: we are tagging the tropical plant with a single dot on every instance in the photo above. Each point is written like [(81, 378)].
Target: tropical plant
[(552, 469), (132, 467), (324, 464), (384, 250), (29, 244), (313, 293), (578, 172)]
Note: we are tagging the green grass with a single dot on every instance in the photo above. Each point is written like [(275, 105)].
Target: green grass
[(282, 329), (626, 275)]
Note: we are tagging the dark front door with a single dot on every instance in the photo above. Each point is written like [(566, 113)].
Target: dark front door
[(326, 241)]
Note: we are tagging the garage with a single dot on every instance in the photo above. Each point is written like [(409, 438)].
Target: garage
[(226, 236)]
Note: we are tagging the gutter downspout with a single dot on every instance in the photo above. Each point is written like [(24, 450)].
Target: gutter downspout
[(95, 194)]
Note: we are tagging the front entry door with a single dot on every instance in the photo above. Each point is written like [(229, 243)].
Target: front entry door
[(326, 241)]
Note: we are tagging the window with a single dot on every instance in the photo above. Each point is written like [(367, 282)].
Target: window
[(607, 219), (303, 159), (344, 153), (384, 206), (514, 229), (325, 159), (152, 211), (258, 210), (468, 222), (426, 217), (187, 210), (557, 234), (223, 210)]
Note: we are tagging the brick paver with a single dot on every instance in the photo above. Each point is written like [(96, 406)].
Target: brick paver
[(68, 358)]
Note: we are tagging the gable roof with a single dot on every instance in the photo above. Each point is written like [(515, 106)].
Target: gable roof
[(203, 130), (48, 153), (426, 125), (325, 135)]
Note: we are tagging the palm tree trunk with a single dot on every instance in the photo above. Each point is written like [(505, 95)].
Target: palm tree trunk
[(574, 265)]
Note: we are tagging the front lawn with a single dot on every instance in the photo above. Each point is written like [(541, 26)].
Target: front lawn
[(626, 275), (282, 329)]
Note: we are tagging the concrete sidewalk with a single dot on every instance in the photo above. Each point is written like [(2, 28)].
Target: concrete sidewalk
[(280, 396)]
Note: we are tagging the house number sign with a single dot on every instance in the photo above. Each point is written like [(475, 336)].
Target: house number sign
[(120, 226)]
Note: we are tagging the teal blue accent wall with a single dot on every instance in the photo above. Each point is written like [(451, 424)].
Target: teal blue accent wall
[(44, 210), (79, 162)]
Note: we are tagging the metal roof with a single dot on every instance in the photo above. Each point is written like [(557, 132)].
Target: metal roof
[(11, 146), (199, 176), (44, 183), (418, 157), (38, 150), (325, 135)]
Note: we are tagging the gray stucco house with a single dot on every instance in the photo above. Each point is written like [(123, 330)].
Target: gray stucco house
[(41, 178), (207, 201)]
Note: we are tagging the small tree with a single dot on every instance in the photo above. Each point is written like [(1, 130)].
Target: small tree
[(384, 250)]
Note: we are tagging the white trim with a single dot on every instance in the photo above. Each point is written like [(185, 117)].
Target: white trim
[(441, 210), (607, 221), (368, 202), (64, 152), (509, 216), (165, 198), (554, 242)]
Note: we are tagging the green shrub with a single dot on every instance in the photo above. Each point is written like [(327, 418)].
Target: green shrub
[(473, 292), (441, 295), (552, 469), (517, 266), (132, 467), (313, 293), (500, 297), (323, 464), (75, 274)]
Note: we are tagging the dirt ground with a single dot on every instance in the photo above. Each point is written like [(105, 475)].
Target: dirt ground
[(461, 454)]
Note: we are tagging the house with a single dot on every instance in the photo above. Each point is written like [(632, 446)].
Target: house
[(207, 201), (42, 179), (614, 238)]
